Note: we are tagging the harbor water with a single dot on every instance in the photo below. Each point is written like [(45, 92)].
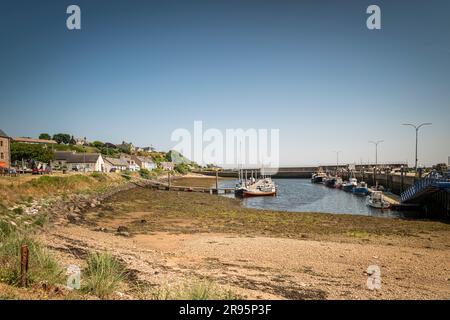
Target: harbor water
[(300, 195)]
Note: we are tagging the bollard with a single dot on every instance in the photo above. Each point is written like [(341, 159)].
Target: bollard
[(24, 252)]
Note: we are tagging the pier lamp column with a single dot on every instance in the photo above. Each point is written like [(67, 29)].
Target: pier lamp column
[(376, 143), (417, 127)]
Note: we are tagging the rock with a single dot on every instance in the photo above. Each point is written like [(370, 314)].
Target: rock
[(123, 234), (122, 229), (143, 221), (73, 218)]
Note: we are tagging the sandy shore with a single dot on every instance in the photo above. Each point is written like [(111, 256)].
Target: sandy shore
[(180, 237)]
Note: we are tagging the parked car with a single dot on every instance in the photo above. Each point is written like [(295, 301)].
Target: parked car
[(38, 171)]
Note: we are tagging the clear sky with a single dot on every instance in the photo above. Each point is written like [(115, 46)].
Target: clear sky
[(140, 69)]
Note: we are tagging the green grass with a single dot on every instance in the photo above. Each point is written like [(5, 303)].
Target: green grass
[(58, 182), (101, 177), (103, 274), (42, 266)]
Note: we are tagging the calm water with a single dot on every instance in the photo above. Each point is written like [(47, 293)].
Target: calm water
[(300, 195)]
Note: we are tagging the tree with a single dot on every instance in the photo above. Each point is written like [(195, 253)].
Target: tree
[(26, 152), (45, 136), (62, 138), (97, 144)]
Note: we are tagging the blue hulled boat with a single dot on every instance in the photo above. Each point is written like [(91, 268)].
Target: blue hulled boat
[(361, 189)]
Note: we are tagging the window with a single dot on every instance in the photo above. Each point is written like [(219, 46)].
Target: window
[(1, 156), (1, 143)]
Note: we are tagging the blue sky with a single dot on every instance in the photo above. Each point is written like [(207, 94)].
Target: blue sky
[(140, 69)]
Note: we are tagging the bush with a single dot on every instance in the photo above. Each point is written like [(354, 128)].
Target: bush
[(102, 275), (145, 174), (182, 168), (98, 176)]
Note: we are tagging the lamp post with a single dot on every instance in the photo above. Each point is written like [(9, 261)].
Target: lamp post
[(417, 127), (376, 150), (376, 161)]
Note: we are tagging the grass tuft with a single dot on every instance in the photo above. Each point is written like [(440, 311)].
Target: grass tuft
[(103, 274)]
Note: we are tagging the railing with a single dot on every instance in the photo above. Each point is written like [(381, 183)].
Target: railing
[(420, 186)]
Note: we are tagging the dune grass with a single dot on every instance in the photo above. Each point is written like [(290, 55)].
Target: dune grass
[(42, 266), (103, 274)]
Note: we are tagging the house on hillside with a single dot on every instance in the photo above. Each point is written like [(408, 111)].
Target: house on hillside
[(34, 141), (5, 150), (115, 164), (84, 162), (81, 141), (126, 147), (167, 166), (131, 163), (144, 162)]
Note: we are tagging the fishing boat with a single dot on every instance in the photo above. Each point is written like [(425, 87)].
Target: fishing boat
[(376, 200), (330, 182), (239, 190), (361, 189), (262, 187), (318, 177), (350, 185), (338, 184)]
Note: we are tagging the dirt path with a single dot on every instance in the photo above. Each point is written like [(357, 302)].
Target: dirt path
[(259, 267)]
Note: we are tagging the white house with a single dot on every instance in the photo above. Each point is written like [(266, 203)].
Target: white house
[(132, 165), (85, 162), (115, 164), (167, 166), (144, 162)]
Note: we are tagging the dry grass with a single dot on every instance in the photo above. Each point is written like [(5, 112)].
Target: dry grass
[(23, 188)]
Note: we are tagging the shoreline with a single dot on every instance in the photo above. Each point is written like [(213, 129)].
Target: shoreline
[(171, 239), (177, 237)]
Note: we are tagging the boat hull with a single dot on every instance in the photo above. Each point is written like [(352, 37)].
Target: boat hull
[(378, 205), (348, 187), (248, 194), (360, 192)]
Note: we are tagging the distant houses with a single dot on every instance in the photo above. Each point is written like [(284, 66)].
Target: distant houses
[(33, 141), (5, 150), (85, 162), (115, 164), (69, 156), (167, 166), (144, 162)]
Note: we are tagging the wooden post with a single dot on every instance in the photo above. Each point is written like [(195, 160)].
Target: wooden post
[(24, 265)]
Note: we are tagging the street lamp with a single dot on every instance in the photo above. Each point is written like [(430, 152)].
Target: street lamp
[(376, 161), (376, 150), (417, 127)]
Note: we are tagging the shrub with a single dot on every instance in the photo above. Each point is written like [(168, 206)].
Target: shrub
[(144, 173), (102, 275), (182, 168), (98, 176)]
